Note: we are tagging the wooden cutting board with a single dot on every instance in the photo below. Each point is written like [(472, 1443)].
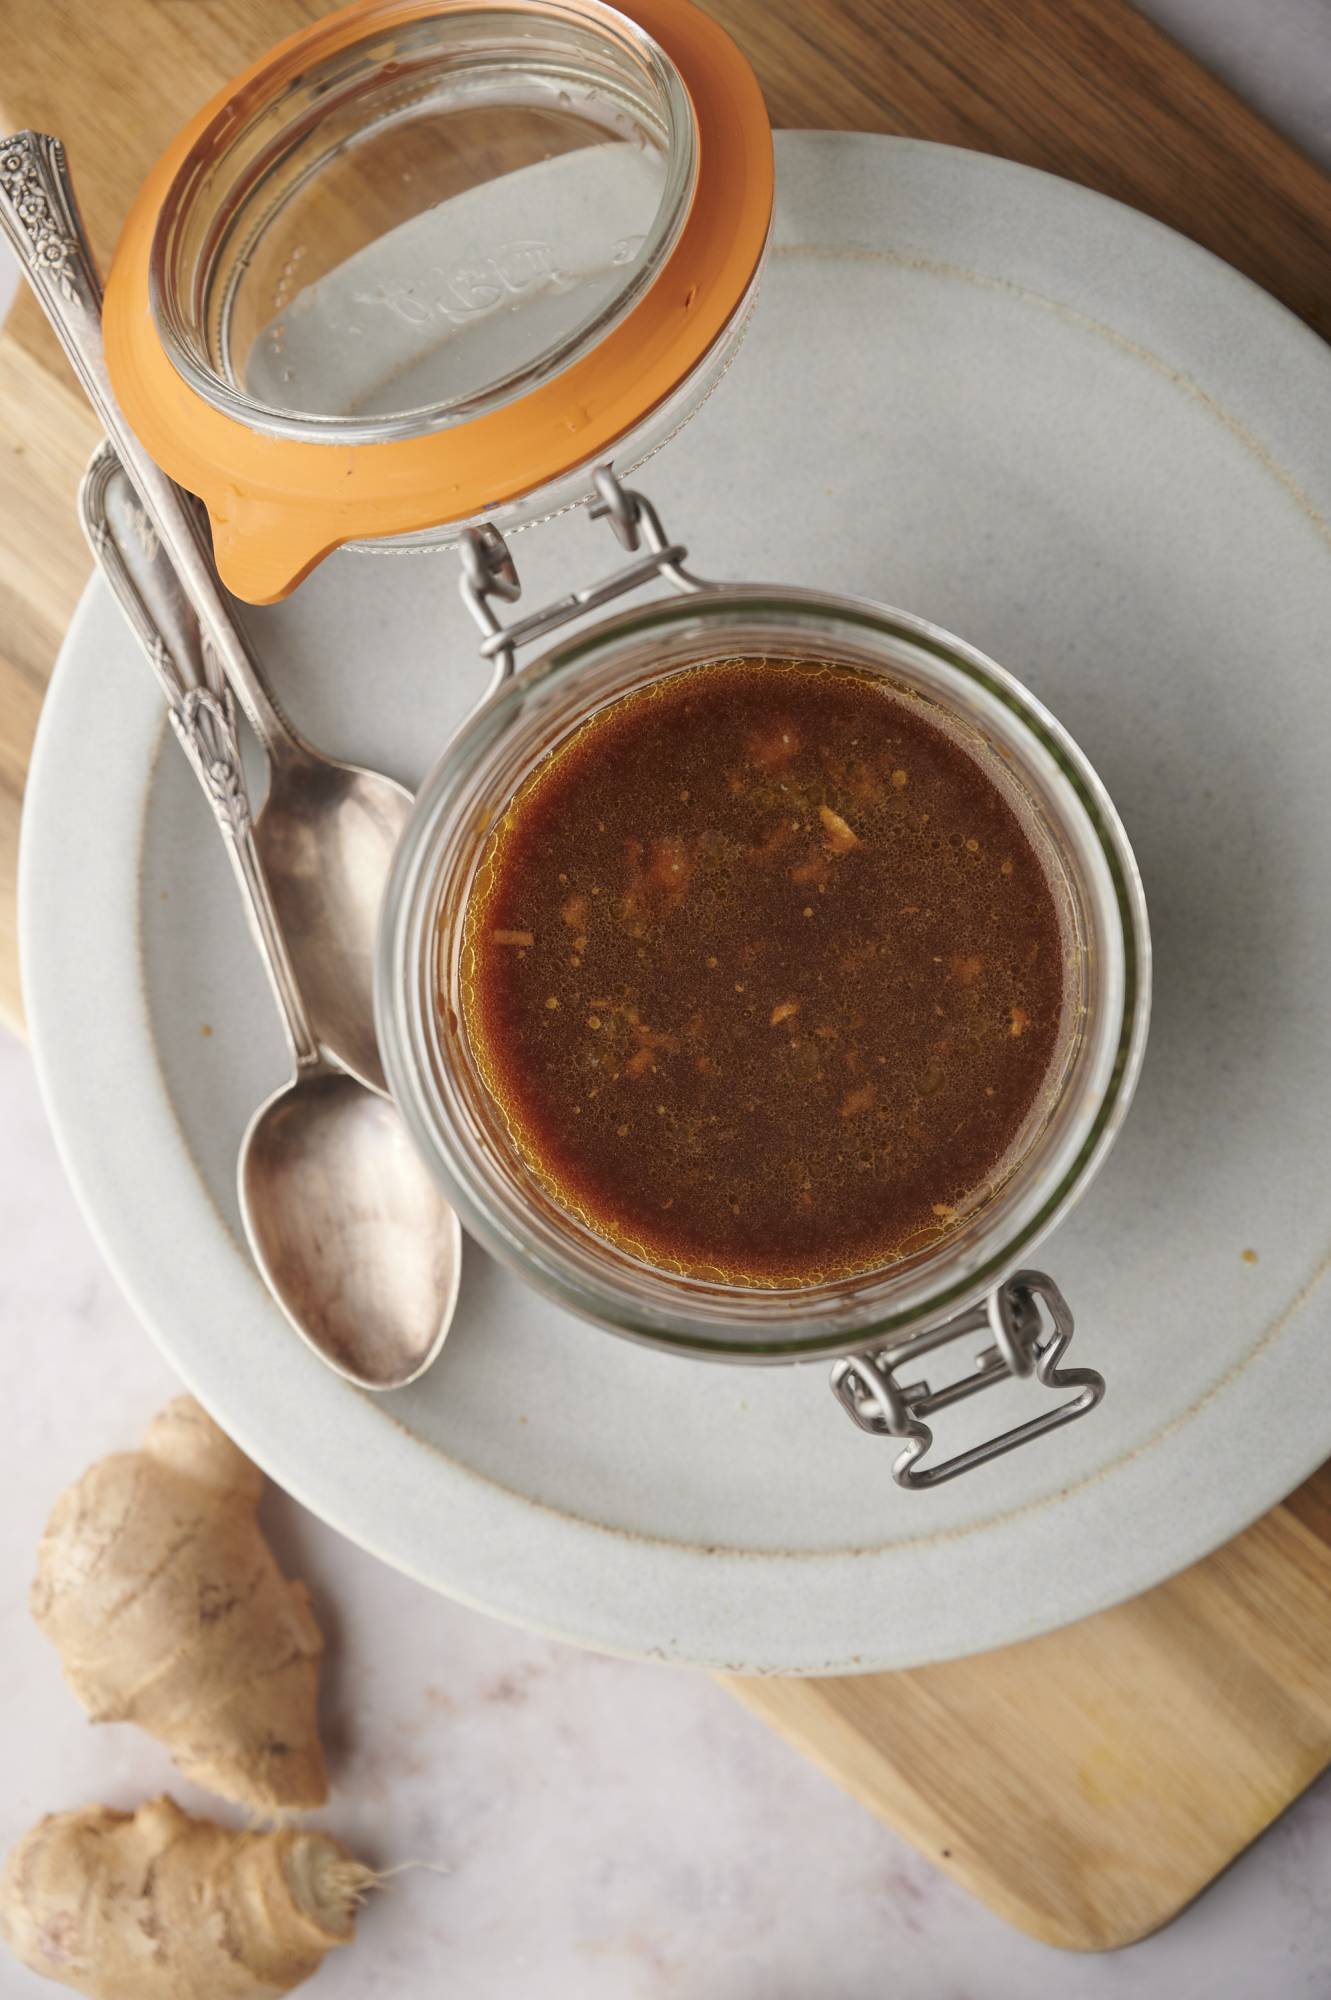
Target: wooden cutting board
[(1089, 1784)]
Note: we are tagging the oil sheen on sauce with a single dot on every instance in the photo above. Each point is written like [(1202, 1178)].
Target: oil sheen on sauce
[(763, 974)]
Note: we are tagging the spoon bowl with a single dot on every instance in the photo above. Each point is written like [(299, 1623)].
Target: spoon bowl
[(326, 836), (349, 1231)]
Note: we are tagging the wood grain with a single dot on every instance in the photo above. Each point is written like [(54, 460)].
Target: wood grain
[(1088, 1784)]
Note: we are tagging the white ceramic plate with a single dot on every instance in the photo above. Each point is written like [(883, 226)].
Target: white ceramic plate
[(1076, 439)]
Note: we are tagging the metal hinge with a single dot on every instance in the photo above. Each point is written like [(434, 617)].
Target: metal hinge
[(489, 572), (867, 1388)]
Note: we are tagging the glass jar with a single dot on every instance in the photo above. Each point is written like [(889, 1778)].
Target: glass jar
[(428, 272), (905, 1309)]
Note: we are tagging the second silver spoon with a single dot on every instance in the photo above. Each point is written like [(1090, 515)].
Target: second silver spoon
[(346, 1225)]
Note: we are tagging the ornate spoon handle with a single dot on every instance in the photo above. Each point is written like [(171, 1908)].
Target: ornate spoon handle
[(40, 216), (150, 594)]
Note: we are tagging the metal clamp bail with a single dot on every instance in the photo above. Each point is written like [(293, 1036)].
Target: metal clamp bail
[(488, 571), (867, 1388)]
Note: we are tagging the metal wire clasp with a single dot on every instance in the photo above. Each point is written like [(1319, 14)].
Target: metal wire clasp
[(867, 1388), (488, 571)]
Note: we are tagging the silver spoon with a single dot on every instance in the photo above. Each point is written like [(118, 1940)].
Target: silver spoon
[(352, 1237), (327, 830)]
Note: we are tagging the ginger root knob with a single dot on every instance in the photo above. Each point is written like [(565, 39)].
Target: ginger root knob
[(154, 1905), (164, 1601)]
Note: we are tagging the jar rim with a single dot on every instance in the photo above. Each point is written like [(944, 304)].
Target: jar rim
[(280, 503), (766, 1326), (184, 340)]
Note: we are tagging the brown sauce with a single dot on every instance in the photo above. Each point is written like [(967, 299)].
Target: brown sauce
[(764, 974)]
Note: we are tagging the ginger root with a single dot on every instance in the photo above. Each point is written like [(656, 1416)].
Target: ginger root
[(154, 1905), (168, 1609)]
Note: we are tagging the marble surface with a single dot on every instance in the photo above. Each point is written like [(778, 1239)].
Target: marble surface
[(1276, 53), (595, 1830)]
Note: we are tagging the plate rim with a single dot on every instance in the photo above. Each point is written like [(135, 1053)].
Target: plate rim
[(46, 968)]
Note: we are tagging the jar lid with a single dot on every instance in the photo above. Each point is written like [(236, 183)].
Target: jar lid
[(427, 259)]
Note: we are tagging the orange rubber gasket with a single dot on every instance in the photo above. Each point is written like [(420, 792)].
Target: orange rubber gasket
[(279, 505)]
